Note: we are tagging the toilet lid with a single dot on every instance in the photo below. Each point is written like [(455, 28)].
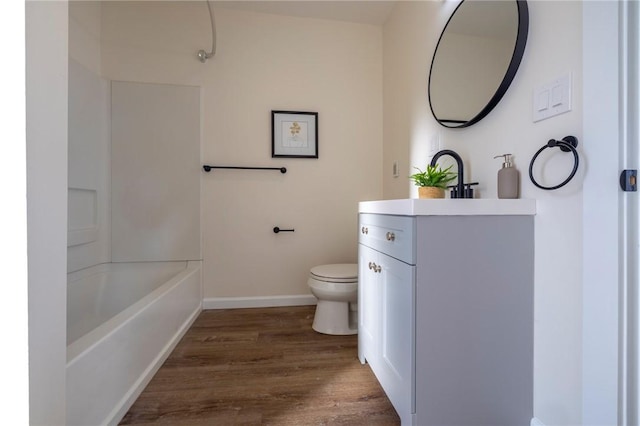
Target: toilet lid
[(338, 271)]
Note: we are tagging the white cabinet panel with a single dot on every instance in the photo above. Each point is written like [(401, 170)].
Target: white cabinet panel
[(369, 295), (398, 333)]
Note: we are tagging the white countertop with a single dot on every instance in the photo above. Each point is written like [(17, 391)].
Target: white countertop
[(450, 207)]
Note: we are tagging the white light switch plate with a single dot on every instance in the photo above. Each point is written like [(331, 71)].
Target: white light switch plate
[(552, 98), (434, 144)]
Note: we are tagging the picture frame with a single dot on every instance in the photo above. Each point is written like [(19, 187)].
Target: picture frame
[(294, 134)]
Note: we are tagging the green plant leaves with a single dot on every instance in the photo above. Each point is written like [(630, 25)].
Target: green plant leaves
[(433, 176)]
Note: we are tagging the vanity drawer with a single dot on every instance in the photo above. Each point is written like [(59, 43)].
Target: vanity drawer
[(392, 235)]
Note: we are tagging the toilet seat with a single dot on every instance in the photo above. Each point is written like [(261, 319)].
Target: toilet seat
[(336, 273)]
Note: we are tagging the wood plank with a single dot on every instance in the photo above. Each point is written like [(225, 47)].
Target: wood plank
[(262, 366)]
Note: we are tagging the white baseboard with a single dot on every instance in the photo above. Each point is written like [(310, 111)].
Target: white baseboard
[(536, 422), (258, 302)]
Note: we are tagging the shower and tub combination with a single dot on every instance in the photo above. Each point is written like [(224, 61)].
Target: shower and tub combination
[(134, 243)]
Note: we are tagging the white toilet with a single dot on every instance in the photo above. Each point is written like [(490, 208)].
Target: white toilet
[(336, 288)]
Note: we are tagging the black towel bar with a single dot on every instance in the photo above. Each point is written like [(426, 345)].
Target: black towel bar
[(207, 168)]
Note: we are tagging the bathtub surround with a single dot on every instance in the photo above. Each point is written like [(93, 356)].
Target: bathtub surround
[(89, 202), (155, 179), (144, 132), (89, 151)]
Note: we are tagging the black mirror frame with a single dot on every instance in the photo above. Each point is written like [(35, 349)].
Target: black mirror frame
[(516, 58)]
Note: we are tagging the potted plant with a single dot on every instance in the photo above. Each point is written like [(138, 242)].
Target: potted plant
[(432, 182)]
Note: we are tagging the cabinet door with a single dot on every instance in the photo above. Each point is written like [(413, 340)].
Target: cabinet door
[(397, 345), (368, 306)]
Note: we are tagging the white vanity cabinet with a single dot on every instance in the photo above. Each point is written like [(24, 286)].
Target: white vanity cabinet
[(446, 308)]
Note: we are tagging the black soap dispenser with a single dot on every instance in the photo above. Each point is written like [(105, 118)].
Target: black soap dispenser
[(508, 178)]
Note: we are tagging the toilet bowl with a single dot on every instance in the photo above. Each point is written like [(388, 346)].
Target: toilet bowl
[(336, 288)]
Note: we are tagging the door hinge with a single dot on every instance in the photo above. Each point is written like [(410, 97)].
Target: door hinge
[(628, 180)]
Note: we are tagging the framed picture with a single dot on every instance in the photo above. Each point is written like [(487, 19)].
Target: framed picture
[(294, 134)]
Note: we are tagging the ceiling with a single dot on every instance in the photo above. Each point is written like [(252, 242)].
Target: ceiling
[(373, 12)]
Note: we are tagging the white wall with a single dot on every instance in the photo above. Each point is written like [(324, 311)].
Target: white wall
[(263, 63), (14, 318), (46, 90), (84, 34), (410, 37)]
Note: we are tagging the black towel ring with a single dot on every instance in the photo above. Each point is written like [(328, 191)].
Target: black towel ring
[(568, 143)]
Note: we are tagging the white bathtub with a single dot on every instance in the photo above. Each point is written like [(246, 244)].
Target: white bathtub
[(123, 320)]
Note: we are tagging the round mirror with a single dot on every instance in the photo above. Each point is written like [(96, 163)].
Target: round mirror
[(476, 58)]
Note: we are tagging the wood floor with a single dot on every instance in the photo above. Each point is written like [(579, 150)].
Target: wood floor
[(262, 366)]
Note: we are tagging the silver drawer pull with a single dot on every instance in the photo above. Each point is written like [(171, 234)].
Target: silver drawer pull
[(391, 236), (365, 230), (374, 267)]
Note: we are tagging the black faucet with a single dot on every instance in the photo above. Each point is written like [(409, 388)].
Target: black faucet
[(459, 193)]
